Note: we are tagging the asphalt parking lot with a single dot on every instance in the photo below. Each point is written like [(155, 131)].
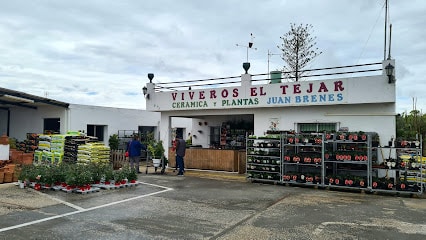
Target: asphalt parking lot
[(205, 205)]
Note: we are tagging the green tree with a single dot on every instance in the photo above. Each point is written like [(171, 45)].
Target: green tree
[(113, 142), (410, 126), (298, 49)]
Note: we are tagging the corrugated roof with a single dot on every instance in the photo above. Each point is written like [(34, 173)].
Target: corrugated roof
[(11, 98)]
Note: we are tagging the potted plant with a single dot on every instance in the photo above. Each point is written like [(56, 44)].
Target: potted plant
[(27, 173), (156, 150), (98, 171), (40, 176), (48, 176), (58, 173), (132, 175), (84, 177), (113, 142), (71, 178), (118, 177), (375, 141), (108, 175), (77, 176), (349, 181), (129, 173)]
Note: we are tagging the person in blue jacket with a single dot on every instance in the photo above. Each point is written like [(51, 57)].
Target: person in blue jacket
[(134, 148)]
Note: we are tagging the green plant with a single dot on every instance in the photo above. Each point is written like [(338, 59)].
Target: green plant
[(59, 172), (129, 173), (48, 174), (108, 173), (27, 173), (98, 171), (132, 174), (71, 176), (84, 175), (119, 175), (156, 149), (78, 175), (189, 141), (41, 174), (113, 142)]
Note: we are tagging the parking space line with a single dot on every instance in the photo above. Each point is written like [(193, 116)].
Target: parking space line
[(81, 210), (60, 201)]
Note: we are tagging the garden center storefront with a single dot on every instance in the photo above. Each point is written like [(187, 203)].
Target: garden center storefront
[(223, 117)]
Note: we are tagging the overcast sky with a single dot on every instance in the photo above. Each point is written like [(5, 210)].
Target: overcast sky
[(98, 52)]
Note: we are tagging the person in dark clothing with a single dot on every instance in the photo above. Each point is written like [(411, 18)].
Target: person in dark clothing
[(134, 148), (180, 154)]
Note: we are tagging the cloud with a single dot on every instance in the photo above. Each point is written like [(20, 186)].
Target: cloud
[(99, 52)]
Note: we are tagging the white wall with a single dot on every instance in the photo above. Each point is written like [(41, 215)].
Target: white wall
[(77, 117), (185, 123), (378, 118), (25, 120), (113, 118)]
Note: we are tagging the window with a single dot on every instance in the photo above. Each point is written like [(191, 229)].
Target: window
[(146, 132), (96, 131), (316, 127), (52, 125)]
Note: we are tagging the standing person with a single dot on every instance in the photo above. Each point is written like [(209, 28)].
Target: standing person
[(134, 148), (180, 154)]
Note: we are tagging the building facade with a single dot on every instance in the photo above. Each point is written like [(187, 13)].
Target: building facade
[(361, 103)]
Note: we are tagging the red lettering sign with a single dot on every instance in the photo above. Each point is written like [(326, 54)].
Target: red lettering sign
[(338, 86), (296, 88)]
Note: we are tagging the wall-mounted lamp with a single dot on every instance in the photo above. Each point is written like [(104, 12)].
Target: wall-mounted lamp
[(145, 92), (389, 72)]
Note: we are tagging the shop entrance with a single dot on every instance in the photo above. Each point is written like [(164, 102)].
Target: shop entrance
[(231, 134)]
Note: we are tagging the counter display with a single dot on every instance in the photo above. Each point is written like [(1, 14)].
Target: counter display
[(211, 159)]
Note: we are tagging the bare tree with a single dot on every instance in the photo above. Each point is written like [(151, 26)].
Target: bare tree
[(298, 49)]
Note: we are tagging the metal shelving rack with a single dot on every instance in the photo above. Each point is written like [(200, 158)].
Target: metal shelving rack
[(264, 159), (125, 136), (408, 172), (302, 158), (264, 166), (357, 156)]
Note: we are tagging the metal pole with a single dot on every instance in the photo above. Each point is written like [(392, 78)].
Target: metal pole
[(386, 26), (268, 61), (390, 41), (247, 54)]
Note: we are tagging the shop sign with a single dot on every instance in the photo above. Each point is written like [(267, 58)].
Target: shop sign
[(317, 92)]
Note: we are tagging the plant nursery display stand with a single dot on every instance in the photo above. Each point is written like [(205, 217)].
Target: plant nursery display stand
[(402, 166), (342, 160), (264, 158)]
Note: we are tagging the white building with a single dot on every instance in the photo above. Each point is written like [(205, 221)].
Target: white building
[(22, 113), (362, 103)]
